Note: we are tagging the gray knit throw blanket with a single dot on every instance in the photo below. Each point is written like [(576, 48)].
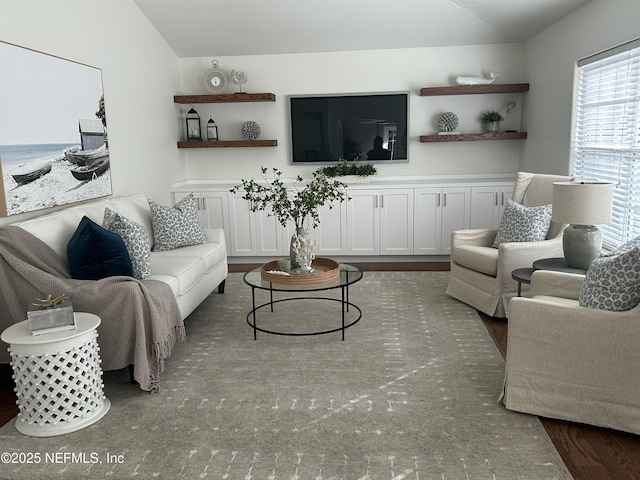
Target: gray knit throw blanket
[(140, 319)]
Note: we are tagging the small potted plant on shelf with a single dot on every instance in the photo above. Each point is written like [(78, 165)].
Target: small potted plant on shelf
[(350, 171), (491, 120), (292, 203)]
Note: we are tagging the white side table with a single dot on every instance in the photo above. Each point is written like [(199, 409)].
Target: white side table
[(58, 377)]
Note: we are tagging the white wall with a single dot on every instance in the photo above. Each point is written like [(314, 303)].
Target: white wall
[(139, 73), (346, 72), (551, 58)]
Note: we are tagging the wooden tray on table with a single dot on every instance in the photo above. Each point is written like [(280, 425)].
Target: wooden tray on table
[(324, 269)]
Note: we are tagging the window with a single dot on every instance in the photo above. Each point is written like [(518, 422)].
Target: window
[(606, 133)]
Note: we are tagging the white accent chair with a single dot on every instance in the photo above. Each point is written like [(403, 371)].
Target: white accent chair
[(480, 275), (570, 362)]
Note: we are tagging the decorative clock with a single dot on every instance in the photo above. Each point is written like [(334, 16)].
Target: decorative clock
[(215, 79)]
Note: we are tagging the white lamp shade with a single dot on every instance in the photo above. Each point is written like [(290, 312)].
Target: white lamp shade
[(582, 203)]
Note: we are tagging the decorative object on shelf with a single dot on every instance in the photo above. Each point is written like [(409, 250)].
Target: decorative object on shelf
[(304, 249), (250, 130), (477, 80), (51, 314), (349, 171), (215, 79), (507, 124), (491, 120), (583, 205), (292, 203), (212, 130), (448, 122), (193, 125), (239, 78)]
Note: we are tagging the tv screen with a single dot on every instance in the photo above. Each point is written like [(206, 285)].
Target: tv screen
[(371, 127)]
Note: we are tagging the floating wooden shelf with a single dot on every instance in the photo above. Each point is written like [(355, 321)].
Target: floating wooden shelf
[(470, 137), (228, 143), (474, 89), (225, 98)]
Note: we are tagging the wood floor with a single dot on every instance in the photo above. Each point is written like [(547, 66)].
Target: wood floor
[(590, 453)]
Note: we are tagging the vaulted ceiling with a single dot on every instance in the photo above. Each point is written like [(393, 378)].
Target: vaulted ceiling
[(196, 28)]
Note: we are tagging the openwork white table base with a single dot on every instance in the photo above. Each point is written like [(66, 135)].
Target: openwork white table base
[(58, 378)]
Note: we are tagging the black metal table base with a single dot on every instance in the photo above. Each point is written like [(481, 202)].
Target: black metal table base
[(344, 302)]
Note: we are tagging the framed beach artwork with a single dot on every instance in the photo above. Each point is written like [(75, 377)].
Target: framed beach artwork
[(53, 137)]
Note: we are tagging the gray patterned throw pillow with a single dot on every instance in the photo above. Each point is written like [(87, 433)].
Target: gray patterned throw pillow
[(177, 226), (613, 280), (136, 239), (523, 224)]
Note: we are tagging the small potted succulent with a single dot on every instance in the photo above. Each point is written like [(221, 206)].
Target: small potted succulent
[(491, 120)]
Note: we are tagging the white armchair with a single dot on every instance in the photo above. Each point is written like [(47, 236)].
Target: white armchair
[(570, 362), (480, 275)]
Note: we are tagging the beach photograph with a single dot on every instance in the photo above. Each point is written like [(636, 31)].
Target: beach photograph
[(53, 141)]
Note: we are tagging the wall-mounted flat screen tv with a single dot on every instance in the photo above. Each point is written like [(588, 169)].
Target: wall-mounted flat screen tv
[(372, 127)]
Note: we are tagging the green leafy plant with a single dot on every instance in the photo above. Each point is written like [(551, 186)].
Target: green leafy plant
[(345, 167), (491, 116), (295, 203)]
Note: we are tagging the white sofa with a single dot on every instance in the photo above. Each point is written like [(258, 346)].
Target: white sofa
[(192, 272), (134, 331)]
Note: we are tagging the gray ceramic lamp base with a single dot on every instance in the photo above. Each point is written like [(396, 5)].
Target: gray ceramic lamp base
[(581, 245)]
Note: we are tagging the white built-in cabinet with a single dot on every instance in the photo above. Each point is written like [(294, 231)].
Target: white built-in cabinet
[(439, 211), (487, 204), (331, 234), (398, 220), (380, 222)]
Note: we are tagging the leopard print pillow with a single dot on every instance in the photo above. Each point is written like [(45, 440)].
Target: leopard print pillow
[(523, 224), (177, 226), (136, 239), (612, 281)]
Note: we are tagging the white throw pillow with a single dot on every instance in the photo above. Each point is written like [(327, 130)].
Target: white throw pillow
[(136, 239), (523, 224), (177, 226), (612, 281)]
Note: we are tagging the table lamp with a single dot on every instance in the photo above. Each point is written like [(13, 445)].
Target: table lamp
[(582, 205)]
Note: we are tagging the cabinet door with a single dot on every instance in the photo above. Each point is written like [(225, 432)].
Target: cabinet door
[(396, 221), (242, 223), (331, 234), (456, 206), (485, 207), (269, 235), (363, 222), (427, 237), (505, 195)]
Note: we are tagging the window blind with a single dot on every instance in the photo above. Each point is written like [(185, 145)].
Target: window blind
[(606, 134)]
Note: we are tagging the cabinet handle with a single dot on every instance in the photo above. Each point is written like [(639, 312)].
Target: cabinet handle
[(438, 200), (375, 205), (502, 198), (381, 201), (445, 200), (204, 204), (496, 195)]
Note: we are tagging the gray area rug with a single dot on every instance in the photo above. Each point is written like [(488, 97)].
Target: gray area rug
[(410, 394)]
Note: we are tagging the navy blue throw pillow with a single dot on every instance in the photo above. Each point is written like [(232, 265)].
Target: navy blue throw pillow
[(94, 253)]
